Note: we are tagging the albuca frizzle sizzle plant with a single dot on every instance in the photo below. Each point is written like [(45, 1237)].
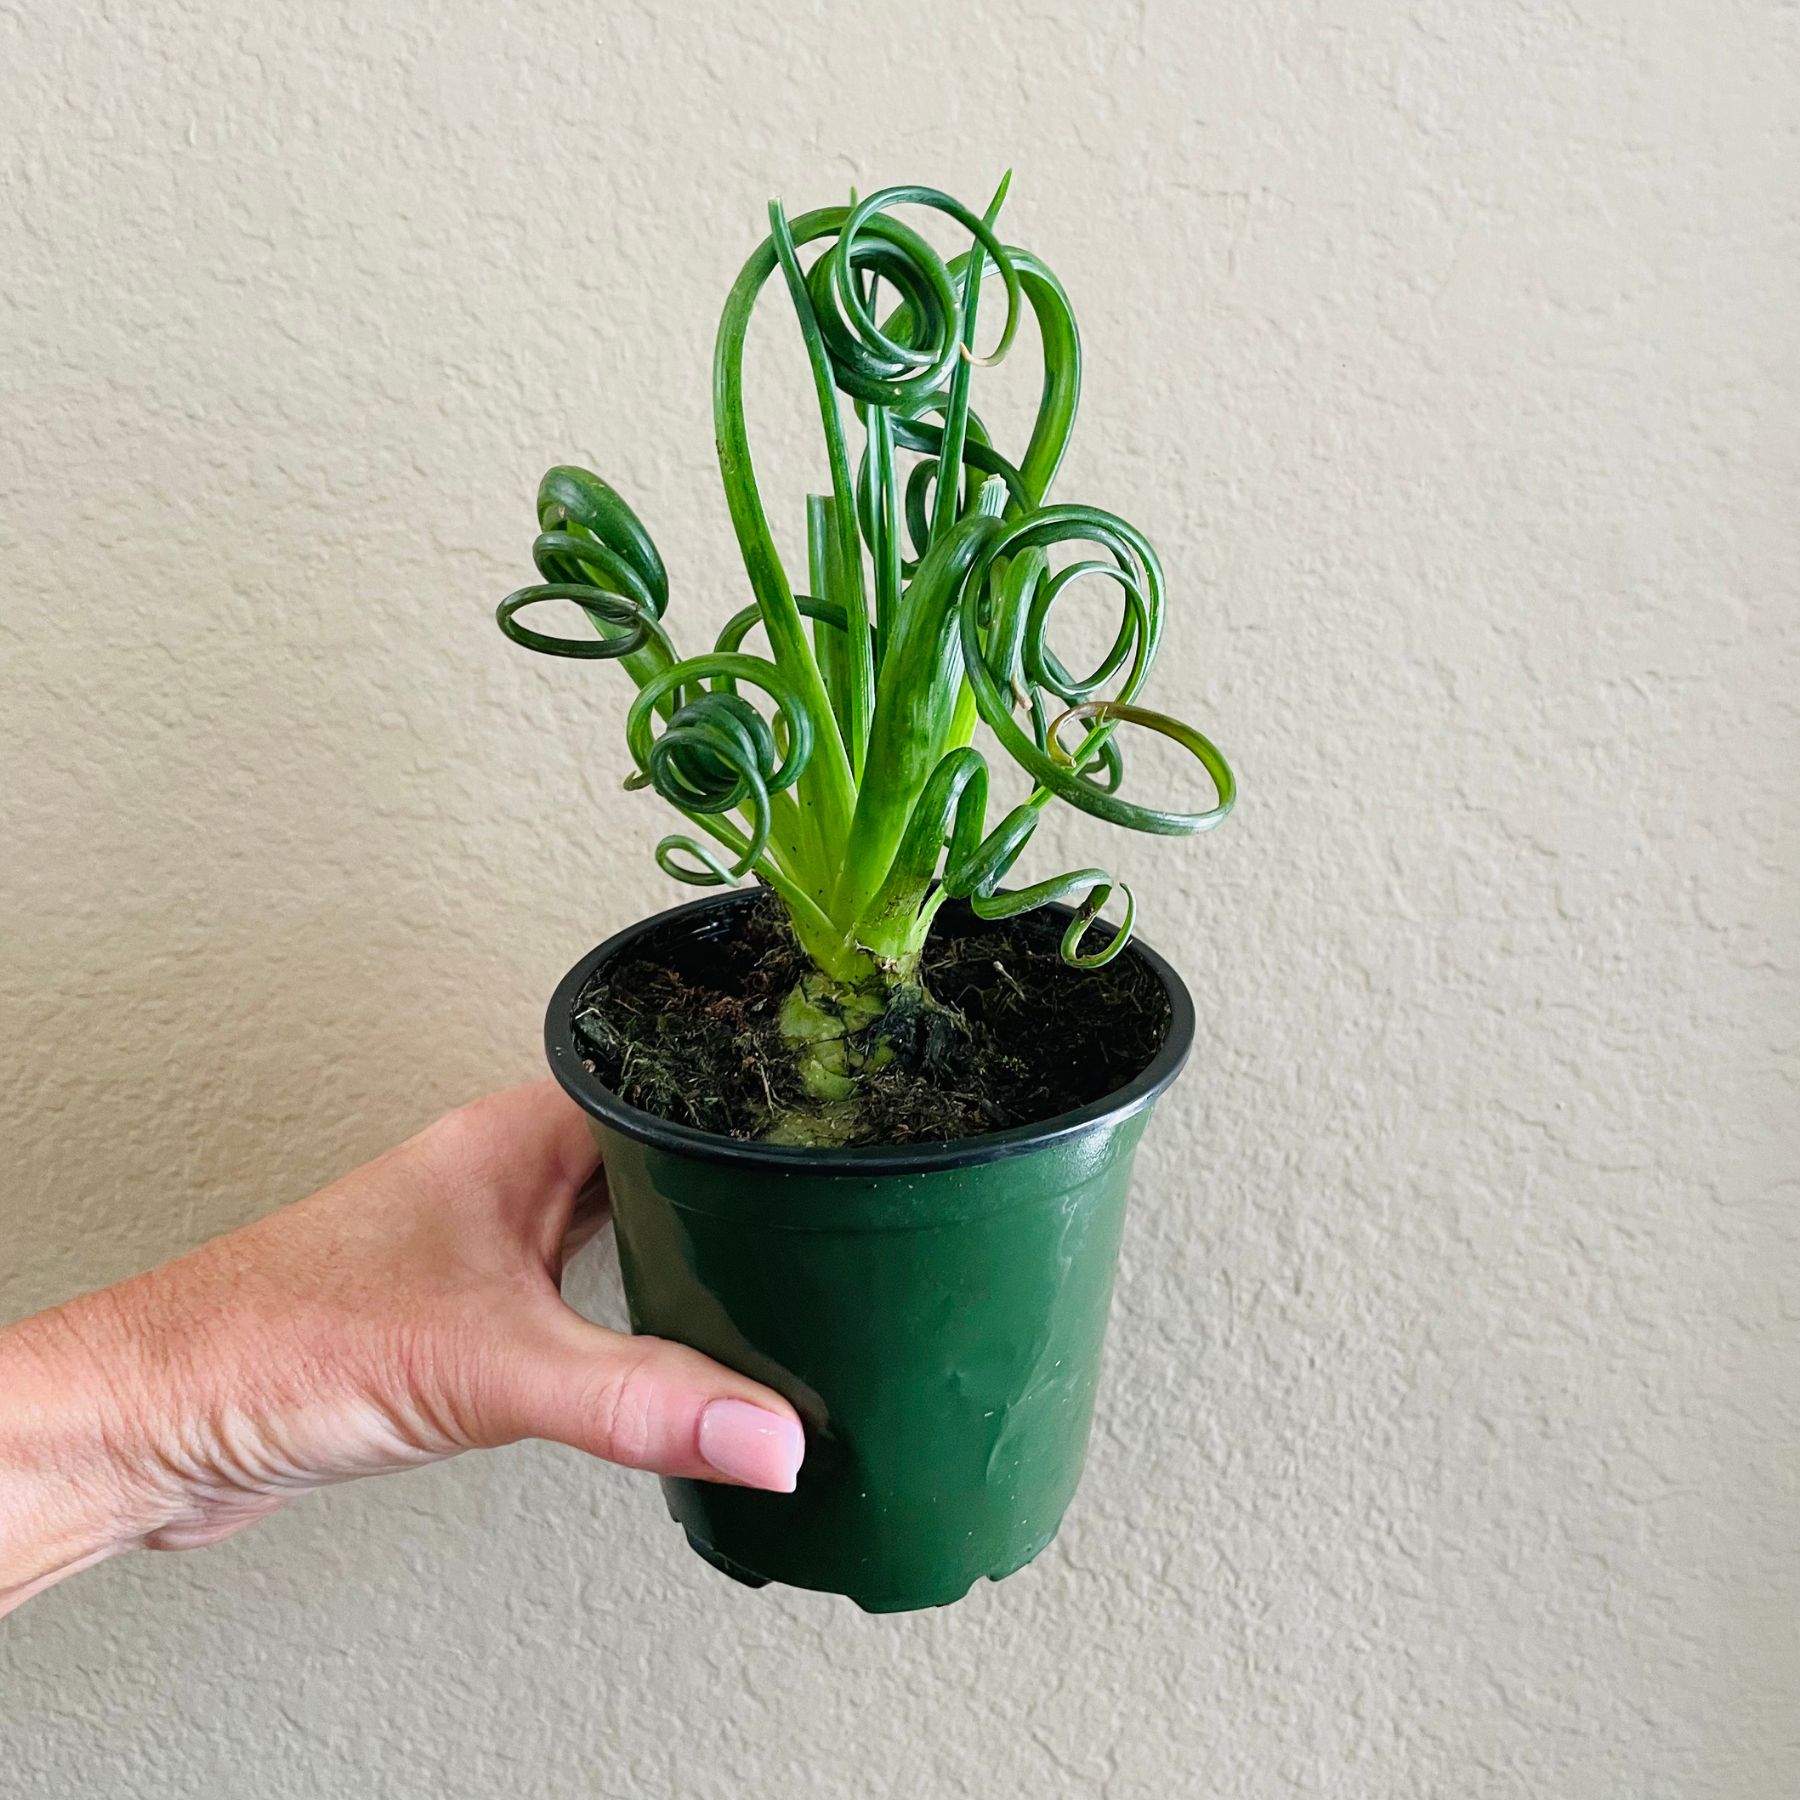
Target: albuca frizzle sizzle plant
[(846, 801)]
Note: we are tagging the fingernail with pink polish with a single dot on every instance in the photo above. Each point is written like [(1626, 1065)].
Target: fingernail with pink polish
[(746, 1443)]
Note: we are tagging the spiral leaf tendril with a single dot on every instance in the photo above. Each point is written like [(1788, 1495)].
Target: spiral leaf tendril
[(854, 790)]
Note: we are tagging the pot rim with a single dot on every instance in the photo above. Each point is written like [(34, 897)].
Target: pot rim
[(599, 1102)]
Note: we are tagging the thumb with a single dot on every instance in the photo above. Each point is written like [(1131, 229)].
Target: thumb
[(646, 1403)]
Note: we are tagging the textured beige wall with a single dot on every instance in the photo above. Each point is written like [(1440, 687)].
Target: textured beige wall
[(1447, 1444)]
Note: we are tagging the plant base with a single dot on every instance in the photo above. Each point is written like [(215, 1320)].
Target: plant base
[(737, 1035)]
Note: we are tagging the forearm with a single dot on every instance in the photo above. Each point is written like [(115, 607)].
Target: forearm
[(76, 1481), (163, 1413), (188, 1402), (404, 1314)]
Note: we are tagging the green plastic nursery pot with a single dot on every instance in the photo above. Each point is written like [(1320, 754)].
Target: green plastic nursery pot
[(934, 1312)]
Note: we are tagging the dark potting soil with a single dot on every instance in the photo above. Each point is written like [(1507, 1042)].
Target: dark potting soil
[(686, 1029)]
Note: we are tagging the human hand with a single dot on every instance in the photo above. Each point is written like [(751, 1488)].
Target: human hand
[(403, 1314)]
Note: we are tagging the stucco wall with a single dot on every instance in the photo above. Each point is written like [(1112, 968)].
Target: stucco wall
[(1447, 1442)]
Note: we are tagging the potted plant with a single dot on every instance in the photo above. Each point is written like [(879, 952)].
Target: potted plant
[(869, 1124)]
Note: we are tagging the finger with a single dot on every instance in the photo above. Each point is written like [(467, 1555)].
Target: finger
[(539, 1138), (593, 1205), (523, 1154), (648, 1404)]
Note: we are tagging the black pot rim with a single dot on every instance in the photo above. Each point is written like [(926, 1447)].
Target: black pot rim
[(599, 1102)]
